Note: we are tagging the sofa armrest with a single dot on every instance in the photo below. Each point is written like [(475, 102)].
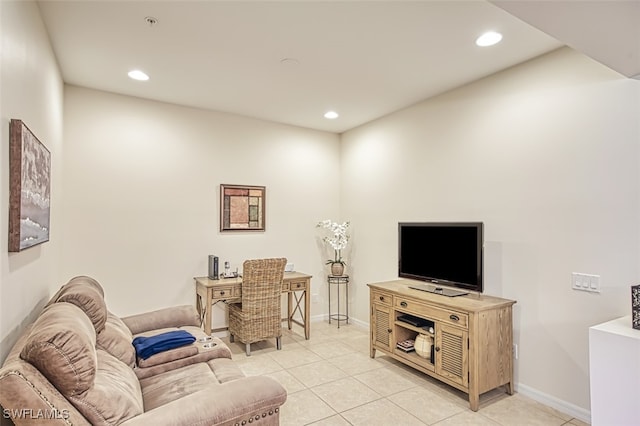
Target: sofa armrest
[(227, 403), (175, 316)]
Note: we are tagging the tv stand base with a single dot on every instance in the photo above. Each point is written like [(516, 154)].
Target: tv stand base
[(472, 335)]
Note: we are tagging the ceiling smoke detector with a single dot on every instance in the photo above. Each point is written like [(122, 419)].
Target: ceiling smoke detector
[(150, 20)]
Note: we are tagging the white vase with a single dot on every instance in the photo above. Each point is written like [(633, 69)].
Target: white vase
[(423, 345)]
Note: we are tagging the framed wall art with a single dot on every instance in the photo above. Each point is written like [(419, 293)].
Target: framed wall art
[(29, 188), (635, 306), (242, 208)]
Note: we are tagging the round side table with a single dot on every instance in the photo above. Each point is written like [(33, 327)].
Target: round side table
[(339, 280)]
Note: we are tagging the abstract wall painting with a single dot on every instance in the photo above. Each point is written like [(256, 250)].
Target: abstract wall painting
[(242, 208), (635, 306), (29, 188)]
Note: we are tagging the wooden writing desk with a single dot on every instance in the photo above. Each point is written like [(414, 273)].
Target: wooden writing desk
[(296, 284)]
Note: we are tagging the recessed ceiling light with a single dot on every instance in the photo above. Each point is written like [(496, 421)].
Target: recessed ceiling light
[(489, 39), (331, 115), (138, 75)]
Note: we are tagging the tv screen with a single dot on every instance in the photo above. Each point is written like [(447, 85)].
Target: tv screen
[(442, 253)]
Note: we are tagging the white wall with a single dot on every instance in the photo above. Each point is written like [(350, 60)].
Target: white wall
[(30, 90), (547, 155), (142, 182)]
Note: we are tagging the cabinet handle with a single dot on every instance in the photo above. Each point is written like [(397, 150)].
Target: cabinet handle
[(222, 293), (388, 330), (403, 304), (382, 298), (437, 348), (454, 317)]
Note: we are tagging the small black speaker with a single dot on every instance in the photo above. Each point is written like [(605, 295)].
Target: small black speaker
[(213, 267)]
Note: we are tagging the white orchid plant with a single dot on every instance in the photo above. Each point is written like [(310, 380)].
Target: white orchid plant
[(338, 240)]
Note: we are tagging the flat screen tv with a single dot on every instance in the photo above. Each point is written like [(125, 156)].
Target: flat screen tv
[(448, 254)]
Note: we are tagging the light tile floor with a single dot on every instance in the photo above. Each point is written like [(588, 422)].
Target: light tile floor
[(331, 381)]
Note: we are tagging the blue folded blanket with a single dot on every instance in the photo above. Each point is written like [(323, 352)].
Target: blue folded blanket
[(147, 346)]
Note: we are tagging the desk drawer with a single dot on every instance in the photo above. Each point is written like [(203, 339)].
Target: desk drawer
[(297, 285), (432, 313), (224, 292)]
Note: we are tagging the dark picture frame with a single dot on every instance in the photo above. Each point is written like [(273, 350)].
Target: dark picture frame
[(635, 306), (242, 207), (29, 188)]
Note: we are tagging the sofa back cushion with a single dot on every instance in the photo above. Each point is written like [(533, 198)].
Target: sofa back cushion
[(87, 294), (115, 396), (23, 387), (62, 347), (116, 339)]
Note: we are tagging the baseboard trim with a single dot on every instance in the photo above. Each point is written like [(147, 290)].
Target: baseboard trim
[(353, 321), (553, 402)]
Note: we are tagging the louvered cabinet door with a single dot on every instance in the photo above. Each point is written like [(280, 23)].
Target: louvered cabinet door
[(451, 353), (381, 327)]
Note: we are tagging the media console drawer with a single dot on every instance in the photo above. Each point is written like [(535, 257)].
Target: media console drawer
[(431, 312), (381, 298)]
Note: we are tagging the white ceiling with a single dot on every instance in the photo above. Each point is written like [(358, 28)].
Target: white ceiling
[(361, 59)]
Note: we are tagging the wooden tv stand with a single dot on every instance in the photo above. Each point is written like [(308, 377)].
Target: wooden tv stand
[(473, 335)]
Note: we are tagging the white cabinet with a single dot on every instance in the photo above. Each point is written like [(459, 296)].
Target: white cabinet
[(614, 368)]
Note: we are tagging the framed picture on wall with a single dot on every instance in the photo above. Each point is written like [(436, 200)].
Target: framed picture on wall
[(242, 208), (29, 188)]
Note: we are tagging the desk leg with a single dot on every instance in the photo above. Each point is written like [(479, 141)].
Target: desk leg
[(307, 312), (289, 311), (207, 312), (199, 307)]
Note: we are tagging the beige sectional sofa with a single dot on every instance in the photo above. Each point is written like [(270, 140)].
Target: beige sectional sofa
[(76, 365)]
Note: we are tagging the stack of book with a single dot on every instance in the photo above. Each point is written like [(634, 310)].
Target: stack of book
[(406, 345)]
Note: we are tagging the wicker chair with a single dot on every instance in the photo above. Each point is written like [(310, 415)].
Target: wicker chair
[(258, 317)]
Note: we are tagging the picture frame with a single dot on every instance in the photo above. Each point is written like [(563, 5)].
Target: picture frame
[(242, 208), (635, 306), (29, 188)]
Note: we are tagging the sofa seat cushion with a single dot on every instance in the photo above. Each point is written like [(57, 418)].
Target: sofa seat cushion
[(216, 348), (199, 351), (163, 388), (168, 356)]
